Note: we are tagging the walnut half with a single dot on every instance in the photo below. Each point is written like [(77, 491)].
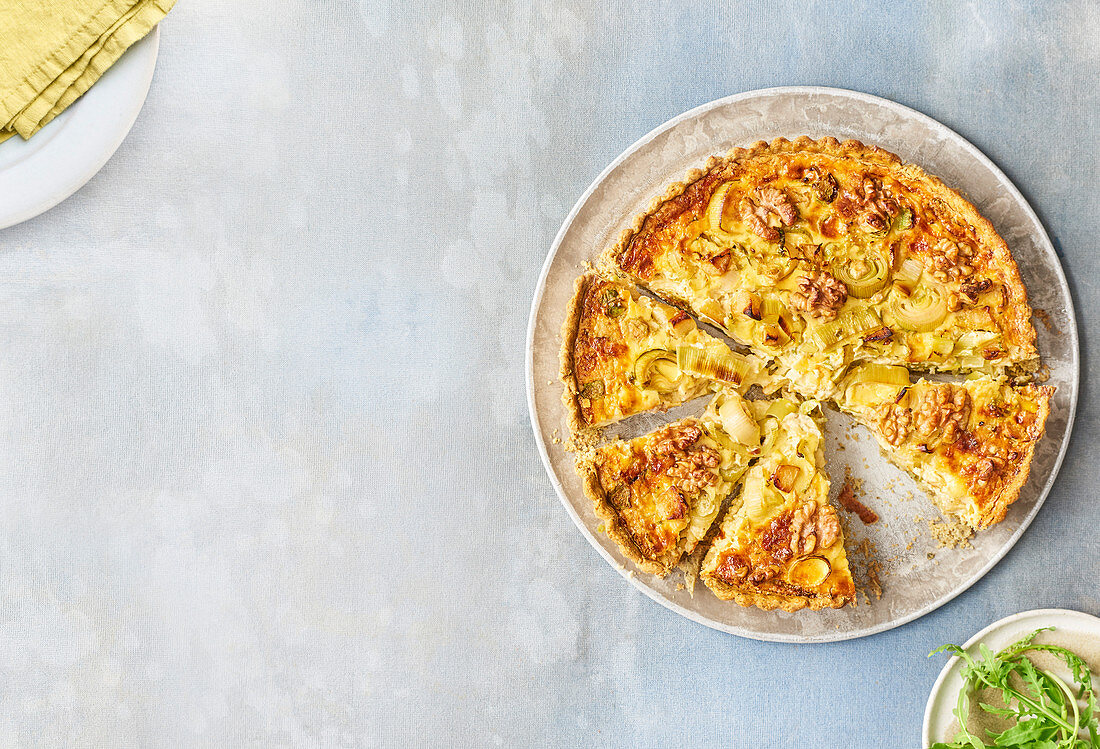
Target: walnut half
[(813, 526), (757, 212), (820, 294)]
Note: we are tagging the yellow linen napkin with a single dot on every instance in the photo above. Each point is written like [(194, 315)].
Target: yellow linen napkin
[(54, 50)]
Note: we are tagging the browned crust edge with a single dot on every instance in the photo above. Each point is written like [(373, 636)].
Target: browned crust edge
[(569, 329), (1011, 492), (613, 525), (770, 601), (1018, 318)]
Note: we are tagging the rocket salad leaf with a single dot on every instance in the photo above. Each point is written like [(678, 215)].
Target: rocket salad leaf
[(1049, 714)]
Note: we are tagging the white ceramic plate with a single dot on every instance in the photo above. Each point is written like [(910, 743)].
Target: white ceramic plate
[(916, 575), (1074, 630), (37, 174)]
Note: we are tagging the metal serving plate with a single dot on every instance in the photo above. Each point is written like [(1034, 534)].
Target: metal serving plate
[(916, 575)]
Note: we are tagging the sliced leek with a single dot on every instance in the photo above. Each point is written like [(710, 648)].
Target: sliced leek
[(713, 363), (942, 345), (770, 309), (594, 389), (904, 220), (869, 396), (863, 275), (738, 423), (657, 369), (921, 311), (852, 323), (883, 373), (870, 385)]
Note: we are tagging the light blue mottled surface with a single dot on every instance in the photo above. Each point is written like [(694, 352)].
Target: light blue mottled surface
[(267, 475)]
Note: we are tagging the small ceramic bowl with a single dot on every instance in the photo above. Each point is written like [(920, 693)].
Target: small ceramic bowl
[(1074, 630)]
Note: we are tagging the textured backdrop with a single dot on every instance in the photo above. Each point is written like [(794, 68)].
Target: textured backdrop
[(266, 470)]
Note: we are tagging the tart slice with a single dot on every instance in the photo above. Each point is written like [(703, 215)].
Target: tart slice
[(660, 493), (821, 253), (624, 353), (968, 444), (781, 544)]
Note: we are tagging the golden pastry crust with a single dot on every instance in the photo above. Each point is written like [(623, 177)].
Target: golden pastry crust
[(996, 507), (969, 444), (790, 212), (569, 329)]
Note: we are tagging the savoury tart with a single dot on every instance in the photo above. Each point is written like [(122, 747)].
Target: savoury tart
[(838, 271), (659, 494), (819, 253)]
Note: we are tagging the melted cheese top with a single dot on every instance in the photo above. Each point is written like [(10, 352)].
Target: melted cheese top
[(707, 249)]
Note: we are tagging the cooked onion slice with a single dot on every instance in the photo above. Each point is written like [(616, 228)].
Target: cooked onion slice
[(714, 364), (784, 477), (738, 423), (863, 275), (852, 323), (657, 369), (809, 572), (921, 311)]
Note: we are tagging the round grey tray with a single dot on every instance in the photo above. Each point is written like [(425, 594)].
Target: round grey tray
[(916, 575)]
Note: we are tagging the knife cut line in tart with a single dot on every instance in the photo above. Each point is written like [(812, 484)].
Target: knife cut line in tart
[(820, 253), (624, 353), (659, 494)]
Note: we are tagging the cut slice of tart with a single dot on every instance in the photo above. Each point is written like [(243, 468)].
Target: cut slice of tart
[(821, 253), (781, 544), (624, 353), (659, 494), (968, 444)]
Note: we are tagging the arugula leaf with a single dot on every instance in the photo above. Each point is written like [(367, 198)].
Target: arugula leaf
[(1048, 713)]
